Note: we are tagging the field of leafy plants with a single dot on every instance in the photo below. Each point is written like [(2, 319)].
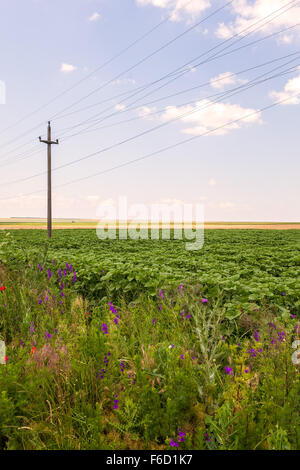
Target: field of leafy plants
[(122, 344)]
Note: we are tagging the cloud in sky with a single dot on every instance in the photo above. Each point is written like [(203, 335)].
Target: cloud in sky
[(291, 88), (67, 68), (179, 9), (225, 79), (206, 115), (94, 17), (249, 12), (120, 107)]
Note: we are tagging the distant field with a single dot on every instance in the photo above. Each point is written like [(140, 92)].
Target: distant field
[(14, 224)]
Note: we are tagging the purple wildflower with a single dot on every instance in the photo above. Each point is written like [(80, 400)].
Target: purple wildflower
[(228, 370), (173, 443)]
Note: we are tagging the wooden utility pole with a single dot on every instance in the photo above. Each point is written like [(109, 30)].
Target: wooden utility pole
[(49, 142)]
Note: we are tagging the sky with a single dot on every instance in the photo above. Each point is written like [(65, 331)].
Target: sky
[(121, 80)]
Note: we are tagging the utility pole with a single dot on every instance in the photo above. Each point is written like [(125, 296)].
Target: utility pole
[(49, 142)]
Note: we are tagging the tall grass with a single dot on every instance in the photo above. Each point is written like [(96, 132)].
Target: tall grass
[(129, 376)]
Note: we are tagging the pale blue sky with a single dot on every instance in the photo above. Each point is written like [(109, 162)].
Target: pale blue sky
[(247, 173)]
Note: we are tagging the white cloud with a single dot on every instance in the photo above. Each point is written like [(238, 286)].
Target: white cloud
[(146, 112), (291, 88), (67, 68), (249, 12), (179, 8), (120, 107), (124, 81), (206, 115), (224, 79), (94, 17)]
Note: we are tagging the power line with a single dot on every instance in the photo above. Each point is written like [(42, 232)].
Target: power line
[(165, 149), (210, 58), (100, 67), (90, 119), (32, 152), (144, 59), (223, 42), (129, 109), (233, 92), (125, 71), (156, 112)]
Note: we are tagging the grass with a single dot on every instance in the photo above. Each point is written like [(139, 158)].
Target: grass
[(130, 375)]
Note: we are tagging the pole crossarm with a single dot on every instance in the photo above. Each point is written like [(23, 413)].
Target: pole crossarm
[(49, 142)]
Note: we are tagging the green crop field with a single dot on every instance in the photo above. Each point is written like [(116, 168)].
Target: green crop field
[(123, 344)]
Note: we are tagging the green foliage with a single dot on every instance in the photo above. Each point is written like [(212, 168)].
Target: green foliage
[(163, 358)]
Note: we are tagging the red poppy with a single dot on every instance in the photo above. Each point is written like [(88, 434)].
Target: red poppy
[(32, 350), (2, 288)]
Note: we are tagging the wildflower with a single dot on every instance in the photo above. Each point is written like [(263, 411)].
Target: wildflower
[(22, 344), (112, 308), (49, 274), (182, 356), (161, 294), (6, 358), (246, 371), (33, 350), (283, 293), (40, 302), (208, 438), (32, 327), (59, 274), (2, 289), (204, 301), (104, 328), (228, 370), (173, 443), (75, 277), (53, 261), (293, 316), (47, 335), (116, 406), (252, 352), (153, 320), (256, 336), (171, 346)]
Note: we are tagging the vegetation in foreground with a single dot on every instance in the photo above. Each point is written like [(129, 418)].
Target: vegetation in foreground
[(175, 370)]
